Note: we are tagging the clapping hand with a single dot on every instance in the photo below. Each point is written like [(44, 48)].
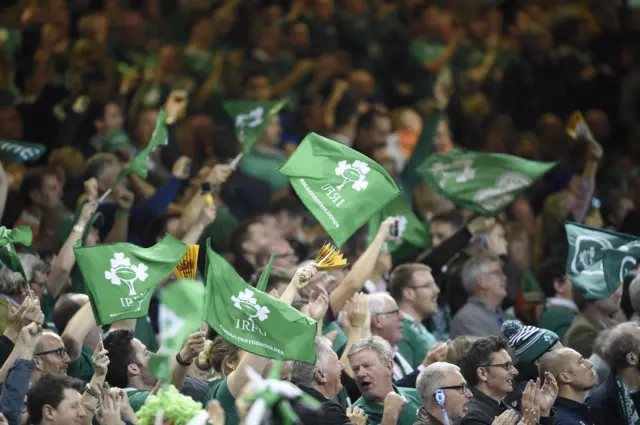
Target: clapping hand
[(547, 394), (109, 412), (318, 303)]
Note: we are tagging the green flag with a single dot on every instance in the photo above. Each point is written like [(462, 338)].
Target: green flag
[(409, 176), (252, 320), (251, 118), (122, 277), (140, 163), (8, 255), (341, 187), (599, 260), (483, 182), (179, 315), (264, 277), (19, 152), (411, 231)]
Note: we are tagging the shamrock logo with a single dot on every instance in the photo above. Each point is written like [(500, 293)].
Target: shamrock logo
[(353, 173), (123, 271), (246, 302)]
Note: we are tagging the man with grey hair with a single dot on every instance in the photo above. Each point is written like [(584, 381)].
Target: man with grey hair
[(615, 401), (371, 360), (386, 322), (485, 282), (13, 289), (322, 382), (444, 394)]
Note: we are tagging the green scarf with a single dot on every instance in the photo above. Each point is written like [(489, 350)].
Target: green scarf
[(628, 407)]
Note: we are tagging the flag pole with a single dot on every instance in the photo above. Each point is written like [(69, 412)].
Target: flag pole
[(104, 195), (236, 160)]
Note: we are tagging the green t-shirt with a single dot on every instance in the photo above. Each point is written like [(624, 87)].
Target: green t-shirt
[(374, 411), (341, 338), (218, 390), (82, 368), (137, 398), (416, 342), (264, 166)]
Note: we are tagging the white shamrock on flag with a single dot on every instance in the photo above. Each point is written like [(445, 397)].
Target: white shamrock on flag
[(170, 323), (354, 173), (123, 271), (251, 119), (246, 302)]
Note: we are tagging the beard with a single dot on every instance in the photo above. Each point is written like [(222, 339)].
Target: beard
[(147, 377)]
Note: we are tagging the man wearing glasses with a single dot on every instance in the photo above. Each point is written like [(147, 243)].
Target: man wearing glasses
[(444, 395), (415, 291), (489, 370), (386, 322), (50, 356)]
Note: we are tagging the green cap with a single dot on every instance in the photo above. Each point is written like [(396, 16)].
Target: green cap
[(528, 342)]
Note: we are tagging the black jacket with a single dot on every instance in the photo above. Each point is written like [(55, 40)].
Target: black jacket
[(331, 413), (482, 410), (604, 403)]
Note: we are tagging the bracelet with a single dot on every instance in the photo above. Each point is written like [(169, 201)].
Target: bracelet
[(92, 392), (182, 362)]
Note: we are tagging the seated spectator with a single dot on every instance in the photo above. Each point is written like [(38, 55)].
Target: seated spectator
[(560, 309), (488, 368), (416, 294), (444, 394), (55, 399), (574, 375), (322, 381), (615, 400), (371, 360), (485, 283)]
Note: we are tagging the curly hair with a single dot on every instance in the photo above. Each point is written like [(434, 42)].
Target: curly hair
[(121, 354), (218, 354), (479, 354)]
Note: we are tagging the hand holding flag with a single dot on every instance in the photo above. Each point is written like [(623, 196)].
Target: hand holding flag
[(303, 275)]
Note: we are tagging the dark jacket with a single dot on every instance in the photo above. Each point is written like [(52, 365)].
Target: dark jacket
[(571, 412), (14, 389), (331, 413), (604, 403), (482, 410)]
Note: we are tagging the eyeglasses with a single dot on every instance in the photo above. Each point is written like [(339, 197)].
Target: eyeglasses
[(461, 388), (61, 352), (506, 365), (394, 312), (423, 286)]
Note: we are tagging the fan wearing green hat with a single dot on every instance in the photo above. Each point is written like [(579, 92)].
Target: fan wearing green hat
[(529, 344)]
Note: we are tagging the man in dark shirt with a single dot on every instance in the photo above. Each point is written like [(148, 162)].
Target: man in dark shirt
[(322, 381), (488, 368)]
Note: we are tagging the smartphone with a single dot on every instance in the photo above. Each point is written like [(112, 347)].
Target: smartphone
[(393, 230)]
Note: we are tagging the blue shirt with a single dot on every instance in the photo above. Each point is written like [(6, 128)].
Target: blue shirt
[(140, 214), (569, 412)]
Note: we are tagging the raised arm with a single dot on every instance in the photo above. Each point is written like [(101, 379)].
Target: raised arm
[(361, 270)]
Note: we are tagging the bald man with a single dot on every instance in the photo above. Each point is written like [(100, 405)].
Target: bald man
[(574, 375), (50, 356)]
